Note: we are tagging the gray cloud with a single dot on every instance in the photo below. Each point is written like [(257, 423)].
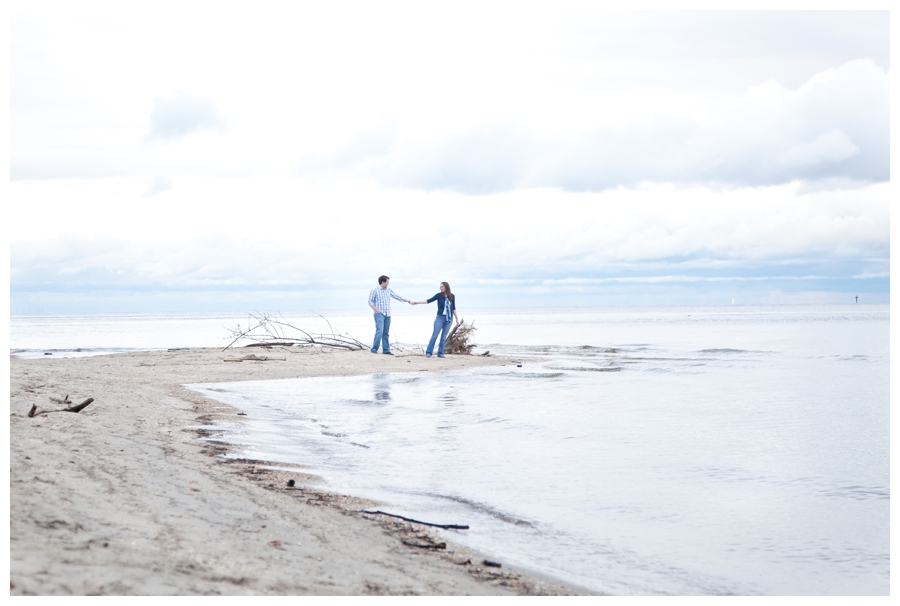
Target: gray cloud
[(157, 186), (183, 114), (487, 161), (372, 143)]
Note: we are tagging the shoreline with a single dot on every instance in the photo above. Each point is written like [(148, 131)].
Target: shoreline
[(126, 497)]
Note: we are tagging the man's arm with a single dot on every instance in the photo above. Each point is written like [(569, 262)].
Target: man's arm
[(398, 297)]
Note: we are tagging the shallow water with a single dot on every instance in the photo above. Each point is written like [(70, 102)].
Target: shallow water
[(645, 451)]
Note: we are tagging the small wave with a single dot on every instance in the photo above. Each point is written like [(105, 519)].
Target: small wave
[(723, 350), (359, 402), (408, 379), (532, 375), (816, 484), (482, 508), (523, 348), (491, 420), (595, 348), (594, 369), (859, 493)]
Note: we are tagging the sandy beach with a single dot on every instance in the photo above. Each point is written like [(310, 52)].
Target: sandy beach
[(127, 497)]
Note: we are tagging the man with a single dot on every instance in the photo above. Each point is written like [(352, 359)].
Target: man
[(380, 302)]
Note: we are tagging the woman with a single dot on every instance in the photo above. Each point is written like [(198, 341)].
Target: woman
[(446, 311)]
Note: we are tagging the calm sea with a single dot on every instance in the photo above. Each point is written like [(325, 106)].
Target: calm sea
[(734, 450)]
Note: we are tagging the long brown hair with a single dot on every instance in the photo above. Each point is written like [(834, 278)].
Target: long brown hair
[(447, 290)]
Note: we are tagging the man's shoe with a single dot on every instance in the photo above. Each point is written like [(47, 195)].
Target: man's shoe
[(440, 355), (388, 353), (427, 355), (374, 350)]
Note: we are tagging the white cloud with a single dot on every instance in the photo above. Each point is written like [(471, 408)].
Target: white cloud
[(834, 126), (344, 239), (576, 98)]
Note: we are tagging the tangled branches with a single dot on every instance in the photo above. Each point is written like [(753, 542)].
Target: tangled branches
[(265, 329), (458, 339)]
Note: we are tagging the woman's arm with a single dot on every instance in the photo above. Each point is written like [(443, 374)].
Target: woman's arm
[(431, 300), (455, 316)]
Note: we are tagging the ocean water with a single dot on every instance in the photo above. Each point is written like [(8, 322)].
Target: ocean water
[(738, 450)]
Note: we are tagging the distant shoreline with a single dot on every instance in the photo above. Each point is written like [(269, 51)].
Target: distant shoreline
[(126, 498), (353, 311)]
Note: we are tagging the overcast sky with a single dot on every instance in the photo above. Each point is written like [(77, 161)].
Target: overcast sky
[(187, 156)]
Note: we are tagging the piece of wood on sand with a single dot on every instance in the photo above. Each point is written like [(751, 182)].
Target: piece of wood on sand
[(254, 358), (75, 408)]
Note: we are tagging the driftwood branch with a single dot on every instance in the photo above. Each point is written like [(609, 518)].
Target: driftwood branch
[(254, 358), (450, 526), (269, 330), (76, 408)]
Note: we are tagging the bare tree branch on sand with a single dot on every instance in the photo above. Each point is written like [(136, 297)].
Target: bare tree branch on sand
[(266, 329), (459, 341)]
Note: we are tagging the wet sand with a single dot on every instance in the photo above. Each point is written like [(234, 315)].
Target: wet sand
[(127, 497)]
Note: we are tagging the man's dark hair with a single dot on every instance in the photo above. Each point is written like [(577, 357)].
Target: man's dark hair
[(382, 279)]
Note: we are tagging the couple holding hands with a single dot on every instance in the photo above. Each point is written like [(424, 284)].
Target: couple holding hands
[(380, 302)]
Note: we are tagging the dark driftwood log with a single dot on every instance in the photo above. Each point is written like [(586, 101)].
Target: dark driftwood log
[(451, 526), (77, 408), (80, 407), (61, 400)]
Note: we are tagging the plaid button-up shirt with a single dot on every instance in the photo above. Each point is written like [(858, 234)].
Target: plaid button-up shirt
[(381, 298)]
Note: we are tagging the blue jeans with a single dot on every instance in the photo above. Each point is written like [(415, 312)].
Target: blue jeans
[(441, 327), (382, 327)]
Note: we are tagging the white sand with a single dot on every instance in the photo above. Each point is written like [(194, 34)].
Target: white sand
[(126, 497)]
